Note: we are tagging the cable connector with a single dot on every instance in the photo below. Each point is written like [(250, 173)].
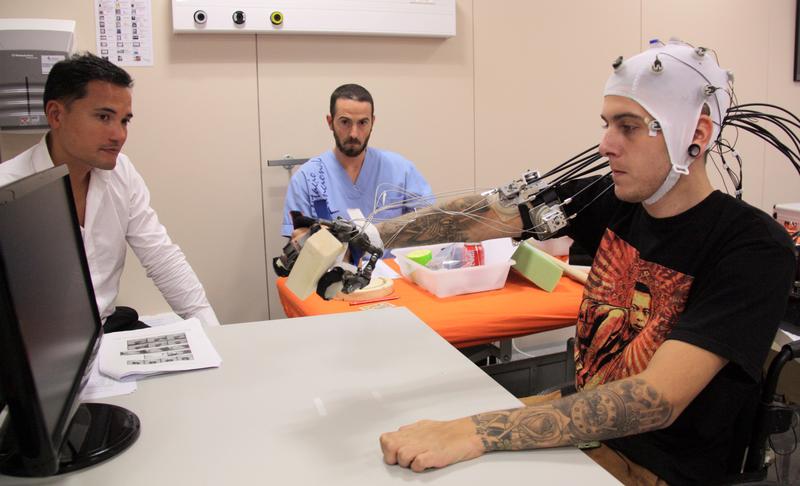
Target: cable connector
[(657, 67)]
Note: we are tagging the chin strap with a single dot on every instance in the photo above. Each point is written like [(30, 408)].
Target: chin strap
[(672, 178), (666, 186)]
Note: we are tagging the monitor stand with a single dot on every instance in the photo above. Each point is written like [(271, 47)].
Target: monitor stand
[(98, 431)]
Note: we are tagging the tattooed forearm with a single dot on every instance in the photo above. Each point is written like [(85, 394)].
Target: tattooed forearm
[(468, 218), (621, 408)]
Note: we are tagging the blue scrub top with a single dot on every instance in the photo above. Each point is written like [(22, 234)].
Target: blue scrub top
[(322, 186)]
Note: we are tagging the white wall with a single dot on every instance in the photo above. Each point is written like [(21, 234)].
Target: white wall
[(539, 77), (519, 87)]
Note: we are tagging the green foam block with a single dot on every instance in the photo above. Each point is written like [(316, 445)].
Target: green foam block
[(536, 267)]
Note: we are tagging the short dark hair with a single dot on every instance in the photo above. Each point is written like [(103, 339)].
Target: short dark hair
[(353, 92), (641, 287), (68, 78)]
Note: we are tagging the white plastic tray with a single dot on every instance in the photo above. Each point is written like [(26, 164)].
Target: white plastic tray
[(447, 283)]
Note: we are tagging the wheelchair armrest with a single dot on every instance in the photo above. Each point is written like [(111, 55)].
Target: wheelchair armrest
[(773, 416), (794, 346), (787, 353)]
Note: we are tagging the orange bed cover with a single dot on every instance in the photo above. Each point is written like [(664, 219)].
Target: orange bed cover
[(518, 309)]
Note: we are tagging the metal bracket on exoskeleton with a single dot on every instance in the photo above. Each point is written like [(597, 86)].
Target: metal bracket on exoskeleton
[(344, 278)]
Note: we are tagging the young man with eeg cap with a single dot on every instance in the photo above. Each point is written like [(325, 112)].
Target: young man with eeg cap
[(668, 400)]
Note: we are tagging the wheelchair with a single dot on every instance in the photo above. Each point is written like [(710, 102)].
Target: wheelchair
[(772, 416)]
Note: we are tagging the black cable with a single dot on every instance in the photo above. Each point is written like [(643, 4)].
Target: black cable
[(576, 166), (770, 138), (590, 170), (735, 179), (759, 114), (598, 196), (769, 105), (752, 122), (568, 163), (747, 117), (722, 177), (781, 122), (580, 171)]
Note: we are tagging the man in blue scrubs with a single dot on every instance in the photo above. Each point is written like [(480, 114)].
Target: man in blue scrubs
[(352, 175)]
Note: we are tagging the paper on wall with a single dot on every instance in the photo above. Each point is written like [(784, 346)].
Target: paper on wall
[(124, 31)]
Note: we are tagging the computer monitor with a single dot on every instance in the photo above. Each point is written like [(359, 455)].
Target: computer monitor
[(49, 334)]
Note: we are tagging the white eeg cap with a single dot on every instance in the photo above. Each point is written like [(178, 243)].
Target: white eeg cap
[(672, 82)]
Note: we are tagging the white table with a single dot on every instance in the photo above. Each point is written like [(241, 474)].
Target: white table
[(268, 417)]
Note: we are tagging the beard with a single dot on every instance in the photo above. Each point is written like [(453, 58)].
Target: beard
[(348, 148)]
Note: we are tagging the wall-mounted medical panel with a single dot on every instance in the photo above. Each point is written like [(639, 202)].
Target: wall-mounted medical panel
[(418, 18), (28, 49)]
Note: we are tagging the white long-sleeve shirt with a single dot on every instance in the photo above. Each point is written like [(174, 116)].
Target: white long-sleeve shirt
[(118, 213)]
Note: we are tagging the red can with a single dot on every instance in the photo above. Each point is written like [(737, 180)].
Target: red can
[(473, 254)]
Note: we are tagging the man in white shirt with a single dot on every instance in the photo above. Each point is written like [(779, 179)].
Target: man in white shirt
[(87, 101)]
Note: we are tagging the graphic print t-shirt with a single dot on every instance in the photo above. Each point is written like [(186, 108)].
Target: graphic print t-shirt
[(627, 311)]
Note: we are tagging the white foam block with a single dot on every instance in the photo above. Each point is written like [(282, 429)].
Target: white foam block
[(319, 253)]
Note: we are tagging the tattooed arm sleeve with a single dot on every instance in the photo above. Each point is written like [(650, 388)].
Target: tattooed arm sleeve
[(468, 218), (621, 408)]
